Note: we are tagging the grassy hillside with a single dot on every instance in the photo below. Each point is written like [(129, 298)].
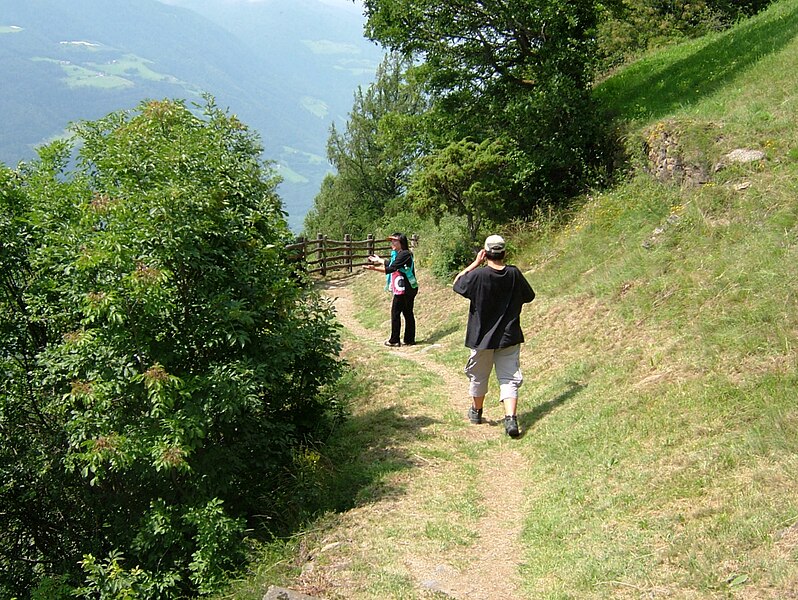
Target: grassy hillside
[(660, 453)]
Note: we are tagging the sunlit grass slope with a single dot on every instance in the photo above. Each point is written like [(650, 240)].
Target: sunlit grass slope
[(668, 316)]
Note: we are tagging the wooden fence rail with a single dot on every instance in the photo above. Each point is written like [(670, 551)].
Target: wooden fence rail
[(323, 254)]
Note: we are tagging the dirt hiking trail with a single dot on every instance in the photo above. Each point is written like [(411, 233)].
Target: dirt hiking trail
[(488, 568)]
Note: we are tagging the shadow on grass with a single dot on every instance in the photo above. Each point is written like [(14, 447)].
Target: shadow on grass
[(645, 91), (364, 452), (528, 419), (439, 334)]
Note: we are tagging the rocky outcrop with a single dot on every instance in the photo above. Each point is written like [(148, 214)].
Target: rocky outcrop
[(666, 160), (740, 156)]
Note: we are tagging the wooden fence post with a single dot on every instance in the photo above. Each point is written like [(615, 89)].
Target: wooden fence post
[(370, 244), (348, 251), (414, 240), (320, 253)]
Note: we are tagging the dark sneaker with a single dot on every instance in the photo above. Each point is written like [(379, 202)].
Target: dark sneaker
[(475, 415), (511, 426), (392, 344)]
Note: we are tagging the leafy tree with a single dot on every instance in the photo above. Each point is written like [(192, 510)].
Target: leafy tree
[(336, 211), (466, 179), (373, 155), (491, 43), (519, 69), (161, 364)]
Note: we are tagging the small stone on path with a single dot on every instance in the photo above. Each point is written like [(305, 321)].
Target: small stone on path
[(278, 593)]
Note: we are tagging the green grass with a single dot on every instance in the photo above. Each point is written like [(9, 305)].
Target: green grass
[(79, 76), (109, 75), (665, 83), (132, 65), (661, 359)]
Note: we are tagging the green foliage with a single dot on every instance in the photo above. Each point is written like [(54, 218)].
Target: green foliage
[(109, 580), (520, 40), (452, 250), (373, 156), (661, 83), (466, 179), (634, 26), (520, 71), (52, 588), (161, 362)]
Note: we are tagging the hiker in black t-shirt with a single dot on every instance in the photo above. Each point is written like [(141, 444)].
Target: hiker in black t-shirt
[(497, 293)]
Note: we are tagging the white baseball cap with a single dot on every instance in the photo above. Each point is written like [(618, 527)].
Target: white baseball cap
[(494, 243)]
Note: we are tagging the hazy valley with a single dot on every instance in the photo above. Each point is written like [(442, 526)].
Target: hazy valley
[(287, 69)]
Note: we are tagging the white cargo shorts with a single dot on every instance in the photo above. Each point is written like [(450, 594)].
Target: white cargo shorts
[(507, 362)]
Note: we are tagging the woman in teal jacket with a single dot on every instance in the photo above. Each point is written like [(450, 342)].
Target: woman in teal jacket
[(401, 280)]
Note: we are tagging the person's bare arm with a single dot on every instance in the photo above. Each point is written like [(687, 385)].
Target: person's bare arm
[(480, 258)]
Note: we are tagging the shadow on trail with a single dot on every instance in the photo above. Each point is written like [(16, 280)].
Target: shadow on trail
[(340, 279), (528, 419), (363, 452)]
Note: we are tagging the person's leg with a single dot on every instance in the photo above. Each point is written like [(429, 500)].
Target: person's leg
[(478, 368), (396, 318), (410, 318), (508, 372), (510, 406)]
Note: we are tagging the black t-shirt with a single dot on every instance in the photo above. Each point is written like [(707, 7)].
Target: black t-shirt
[(403, 260), (494, 317)]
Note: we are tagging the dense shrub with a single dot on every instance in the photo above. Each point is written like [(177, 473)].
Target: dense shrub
[(160, 363)]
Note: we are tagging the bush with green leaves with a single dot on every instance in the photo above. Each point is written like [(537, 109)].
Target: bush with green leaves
[(467, 179), (160, 361)]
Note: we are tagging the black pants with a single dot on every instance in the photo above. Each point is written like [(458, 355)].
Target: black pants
[(403, 305)]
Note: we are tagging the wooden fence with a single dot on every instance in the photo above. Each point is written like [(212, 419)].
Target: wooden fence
[(323, 255)]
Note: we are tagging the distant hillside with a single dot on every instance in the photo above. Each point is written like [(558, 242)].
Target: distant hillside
[(288, 70)]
